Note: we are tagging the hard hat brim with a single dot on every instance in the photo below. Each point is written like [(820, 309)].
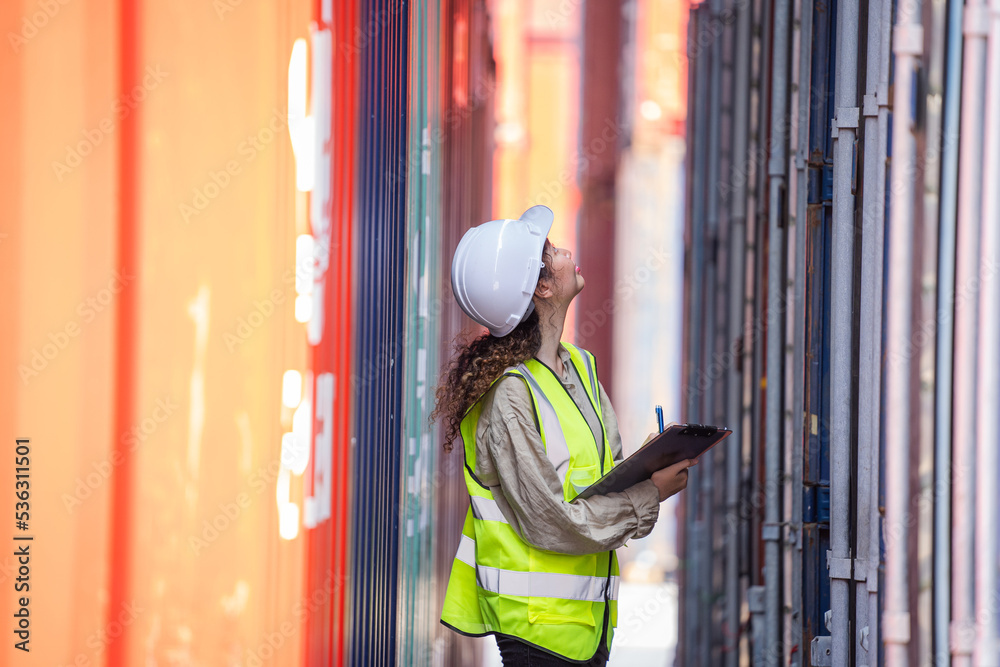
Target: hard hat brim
[(542, 217)]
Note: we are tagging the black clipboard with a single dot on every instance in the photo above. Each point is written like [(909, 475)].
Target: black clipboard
[(676, 443)]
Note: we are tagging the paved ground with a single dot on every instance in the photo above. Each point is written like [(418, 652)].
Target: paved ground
[(647, 628)]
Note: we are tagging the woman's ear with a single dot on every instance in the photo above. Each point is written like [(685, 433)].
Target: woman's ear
[(543, 290)]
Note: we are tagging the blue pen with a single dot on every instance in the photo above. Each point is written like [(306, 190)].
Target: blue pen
[(659, 417)]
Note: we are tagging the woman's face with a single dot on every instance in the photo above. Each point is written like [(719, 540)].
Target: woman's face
[(565, 280)]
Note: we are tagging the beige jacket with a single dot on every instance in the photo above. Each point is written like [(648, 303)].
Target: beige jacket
[(511, 460)]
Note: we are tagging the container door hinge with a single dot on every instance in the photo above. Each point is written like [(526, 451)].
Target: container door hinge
[(908, 39), (770, 532), (895, 627), (847, 117), (850, 569), (755, 599), (870, 106), (821, 651), (976, 21)]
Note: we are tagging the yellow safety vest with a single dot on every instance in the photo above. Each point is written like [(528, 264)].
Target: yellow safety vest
[(499, 583)]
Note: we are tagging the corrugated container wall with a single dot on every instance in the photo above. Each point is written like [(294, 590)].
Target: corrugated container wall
[(147, 262), (225, 267), (857, 529), (377, 377), (409, 108), (416, 624)]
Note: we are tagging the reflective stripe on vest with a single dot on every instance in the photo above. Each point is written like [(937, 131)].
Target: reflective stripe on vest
[(536, 584), (467, 551), (593, 378), (486, 509), (542, 584), (555, 442)]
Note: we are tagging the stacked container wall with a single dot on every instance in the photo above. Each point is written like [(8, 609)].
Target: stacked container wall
[(379, 230)]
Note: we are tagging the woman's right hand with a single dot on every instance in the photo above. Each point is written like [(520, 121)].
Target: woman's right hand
[(672, 479)]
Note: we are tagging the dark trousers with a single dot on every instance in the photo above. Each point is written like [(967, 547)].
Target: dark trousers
[(516, 653)]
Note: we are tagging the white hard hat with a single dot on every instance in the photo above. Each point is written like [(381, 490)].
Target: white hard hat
[(496, 268)]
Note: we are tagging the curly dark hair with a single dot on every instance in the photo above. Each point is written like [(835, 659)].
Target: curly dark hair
[(478, 363)]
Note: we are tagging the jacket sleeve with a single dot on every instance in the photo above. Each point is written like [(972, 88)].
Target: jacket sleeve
[(528, 492)]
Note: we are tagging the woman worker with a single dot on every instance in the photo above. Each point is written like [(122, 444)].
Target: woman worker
[(533, 569)]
